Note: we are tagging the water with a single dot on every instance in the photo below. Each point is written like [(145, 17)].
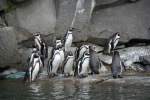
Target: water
[(134, 88)]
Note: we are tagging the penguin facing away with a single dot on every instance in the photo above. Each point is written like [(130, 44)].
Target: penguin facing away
[(117, 65), (111, 43), (95, 63), (83, 65), (69, 64)]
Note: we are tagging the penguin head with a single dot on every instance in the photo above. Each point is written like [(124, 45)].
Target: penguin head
[(70, 53), (116, 53), (34, 50), (70, 30), (86, 53), (92, 48), (37, 36), (116, 36), (58, 43)]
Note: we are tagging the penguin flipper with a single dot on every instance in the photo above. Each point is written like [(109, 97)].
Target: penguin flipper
[(123, 65)]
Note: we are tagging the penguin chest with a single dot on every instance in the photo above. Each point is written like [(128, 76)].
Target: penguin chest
[(56, 63), (62, 55), (37, 43), (69, 39), (84, 66), (68, 68), (82, 52), (35, 71)]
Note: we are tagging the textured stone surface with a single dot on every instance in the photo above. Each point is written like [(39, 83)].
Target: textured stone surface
[(131, 19), (9, 39), (8, 47), (35, 16)]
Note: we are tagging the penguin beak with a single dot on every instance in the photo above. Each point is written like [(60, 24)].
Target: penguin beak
[(76, 29)]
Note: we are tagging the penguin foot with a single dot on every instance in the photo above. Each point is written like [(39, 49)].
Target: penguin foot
[(52, 75), (82, 76), (114, 76), (66, 75), (119, 76)]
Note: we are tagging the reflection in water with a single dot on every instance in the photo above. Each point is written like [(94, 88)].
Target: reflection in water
[(36, 91), (58, 90), (72, 90), (84, 92)]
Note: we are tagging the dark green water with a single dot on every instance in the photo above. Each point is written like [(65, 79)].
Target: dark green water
[(128, 89)]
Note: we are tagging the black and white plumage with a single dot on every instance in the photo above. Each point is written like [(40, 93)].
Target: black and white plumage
[(68, 38), (83, 65), (34, 68), (111, 43), (56, 61), (37, 41), (117, 65), (41, 46), (69, 64), (82, 50)]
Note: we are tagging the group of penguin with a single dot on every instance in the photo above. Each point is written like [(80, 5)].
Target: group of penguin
[(81, 63)]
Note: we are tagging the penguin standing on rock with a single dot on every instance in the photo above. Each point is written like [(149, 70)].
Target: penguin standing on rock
[(68, 38), (69, 64), (41, 46), (117, 65), (111, 43), (56, 61), (83, 65), (34, 68), (95, 64)]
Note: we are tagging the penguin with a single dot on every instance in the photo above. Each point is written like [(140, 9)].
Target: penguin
[(37, 41), (69, 64), (95, 63), (117, 66), (111, 43), (56, 61), (68, 38), (34, 53), (54, 64), (82, 50), (41, 46), (34, 69), (83, 65)]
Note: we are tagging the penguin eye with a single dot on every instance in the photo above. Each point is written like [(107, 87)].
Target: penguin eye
[(117, 34)]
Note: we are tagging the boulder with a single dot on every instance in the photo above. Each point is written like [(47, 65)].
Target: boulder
[(9, 39), (34, 16)]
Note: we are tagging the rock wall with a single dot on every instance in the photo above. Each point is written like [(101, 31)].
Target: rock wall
[(108, 16), (55, 16), (34, 15)]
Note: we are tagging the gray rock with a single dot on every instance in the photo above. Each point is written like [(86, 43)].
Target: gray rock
[(9, 39), (66, 13), (8, 47), (145, 60), (131, 19), (34, 16)]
